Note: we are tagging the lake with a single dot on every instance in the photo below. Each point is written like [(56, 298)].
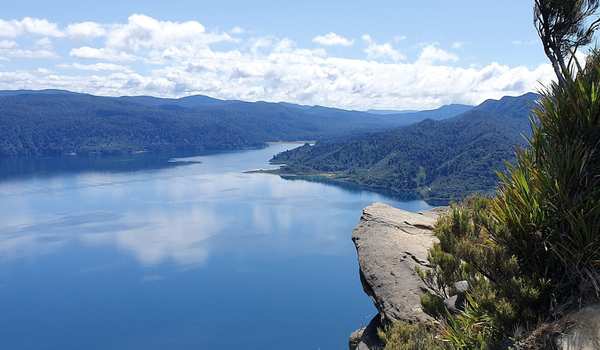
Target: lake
[(185, 253)]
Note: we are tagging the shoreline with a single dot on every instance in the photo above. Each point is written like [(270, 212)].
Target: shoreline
[(347, 183), (172, 153)]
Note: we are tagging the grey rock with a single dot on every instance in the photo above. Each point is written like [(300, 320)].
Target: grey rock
[(461, 287), (585, 332), (355, 338), (367, 338), (390, 244), (451, 304), (456, 303)]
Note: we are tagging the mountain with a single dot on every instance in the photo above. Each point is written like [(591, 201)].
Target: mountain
[(441, 113), (439, 160), (390, 111), (188, 102), (36, 92), (56, 122)]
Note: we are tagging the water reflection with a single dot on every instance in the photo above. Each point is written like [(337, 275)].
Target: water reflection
[(36, 236), (157, 237), (171, 215), (21, 168), (153, 237), (179, 256)]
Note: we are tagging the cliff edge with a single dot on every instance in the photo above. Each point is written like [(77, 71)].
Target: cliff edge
[(390, 244)]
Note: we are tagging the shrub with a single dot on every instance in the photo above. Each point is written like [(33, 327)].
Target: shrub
[(532, 252), (407, 336)]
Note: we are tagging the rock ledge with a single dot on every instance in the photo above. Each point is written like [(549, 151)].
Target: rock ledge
[(390, 244)]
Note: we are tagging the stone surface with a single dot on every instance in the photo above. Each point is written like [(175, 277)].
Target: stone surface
[(455, 304), (457, 301), (461, 287), (390, 244), (355, 338), (585, 331), (367, 338)]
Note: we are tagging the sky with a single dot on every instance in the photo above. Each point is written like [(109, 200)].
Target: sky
[(349, 54)]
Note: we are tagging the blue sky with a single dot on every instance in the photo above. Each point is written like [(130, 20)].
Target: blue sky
[(361, 54)]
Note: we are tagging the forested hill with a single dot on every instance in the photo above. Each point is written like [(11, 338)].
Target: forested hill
[(436, 160), (54, 122)]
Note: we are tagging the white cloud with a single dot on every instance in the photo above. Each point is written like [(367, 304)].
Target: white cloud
[(87, 52), (28, 25), (144, 32), (41, 27), (44, 43), (399, 38), (42, 50), (258, 45), (174, 59), (237, 30), (85, 30), (154, 41), (10, 29), (385, 51), (7, 44), (305, 77), (433, 54), (332, 39), (27, 53), (458, 45), (97, 67)]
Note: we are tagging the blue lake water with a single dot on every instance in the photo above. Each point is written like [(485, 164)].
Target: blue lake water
[(157, 254)]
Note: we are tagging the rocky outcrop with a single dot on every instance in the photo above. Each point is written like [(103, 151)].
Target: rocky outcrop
[(578, 330), (584, 332), (390, 244), (367, 338)]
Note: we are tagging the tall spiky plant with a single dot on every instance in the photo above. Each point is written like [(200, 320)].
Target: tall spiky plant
[(532, 253), (550, 202)]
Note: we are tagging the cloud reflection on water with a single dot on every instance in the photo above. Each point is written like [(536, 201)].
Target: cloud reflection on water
[(152, 237), (161, 237), (179, 215)]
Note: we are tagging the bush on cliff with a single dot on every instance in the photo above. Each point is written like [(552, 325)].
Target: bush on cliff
[(405, 336), (531, 253)]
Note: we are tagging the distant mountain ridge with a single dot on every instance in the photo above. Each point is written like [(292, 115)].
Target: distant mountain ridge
[(58, 122), (439, 160), (390, 111), (444, 112)]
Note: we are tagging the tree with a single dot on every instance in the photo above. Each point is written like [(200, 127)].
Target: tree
[(564, 26)]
